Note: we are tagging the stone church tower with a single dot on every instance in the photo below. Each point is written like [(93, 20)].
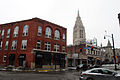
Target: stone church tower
[(79, 36)]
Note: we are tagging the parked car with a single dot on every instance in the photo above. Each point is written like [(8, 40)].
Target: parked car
[(95, 66), (82, 67), (99, 74)]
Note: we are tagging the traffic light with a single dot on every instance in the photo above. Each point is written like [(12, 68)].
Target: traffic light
[(80, 49), (91, 48)]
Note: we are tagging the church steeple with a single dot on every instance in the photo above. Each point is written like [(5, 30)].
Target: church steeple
[(109, 44), (78, 22), (78, 14), (79, 35)]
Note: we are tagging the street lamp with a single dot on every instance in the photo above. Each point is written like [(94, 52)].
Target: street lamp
[(113, 49)]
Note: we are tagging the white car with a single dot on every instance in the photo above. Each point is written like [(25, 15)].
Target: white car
[(99, 74)]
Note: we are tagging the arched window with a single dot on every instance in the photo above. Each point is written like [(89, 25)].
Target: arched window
[(2, 35), (57, 35), (15, 34), (8, 33), (39, 31), (48, 32), (63, 37), (25, 30)]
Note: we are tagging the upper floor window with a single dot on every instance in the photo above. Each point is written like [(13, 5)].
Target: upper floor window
[(6, 45), (15, 34), (56, 47), (4, 58), (57, 35), (24, 44), (25, 30), (47, 46), (1, 45), (48, 32), (14, 45), (38, 44), (63, 37), (2, 35), (63, 48), (8, 33), (39, 31)]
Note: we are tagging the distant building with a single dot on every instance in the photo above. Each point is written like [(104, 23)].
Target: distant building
[(80, 52), (33, 43), (107, 54), (79, 36)]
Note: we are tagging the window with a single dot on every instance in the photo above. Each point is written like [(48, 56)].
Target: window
[(6, 45), (38, 44), (48, 33), (2, 35), (24, 44), (81, 33), (15, 34), (47, 46), (25, 30), (14, 45), (0, 31), (57, 35), (39, 31), (1, 45), (63, 37), (8, 33), (4, 58), (56, 47), (63, 48)]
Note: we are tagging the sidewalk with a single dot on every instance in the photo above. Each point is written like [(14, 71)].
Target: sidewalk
[(15, 69)]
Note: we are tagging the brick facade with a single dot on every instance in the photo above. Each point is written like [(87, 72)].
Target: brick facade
[(31, 38)]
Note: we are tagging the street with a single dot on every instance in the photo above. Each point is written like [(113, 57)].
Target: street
[(59, 75), (39, 76)]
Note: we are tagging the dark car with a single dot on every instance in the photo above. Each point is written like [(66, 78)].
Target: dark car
[(82, 67), (99, 74)]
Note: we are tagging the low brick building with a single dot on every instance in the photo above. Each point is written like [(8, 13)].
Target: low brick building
[(33, 43)]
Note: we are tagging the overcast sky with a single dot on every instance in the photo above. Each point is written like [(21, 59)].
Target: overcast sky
[(97, 15)]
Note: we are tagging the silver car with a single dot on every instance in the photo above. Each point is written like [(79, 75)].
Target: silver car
[(99, 74)]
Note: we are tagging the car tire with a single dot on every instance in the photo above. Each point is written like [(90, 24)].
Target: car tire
[(90, 79)]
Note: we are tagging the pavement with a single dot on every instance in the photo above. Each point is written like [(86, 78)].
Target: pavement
[(73, 69), (16, 69)]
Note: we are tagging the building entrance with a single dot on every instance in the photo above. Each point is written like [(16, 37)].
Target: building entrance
[(12, 59)]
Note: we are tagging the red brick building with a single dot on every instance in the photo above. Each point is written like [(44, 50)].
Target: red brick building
[(33, 43)]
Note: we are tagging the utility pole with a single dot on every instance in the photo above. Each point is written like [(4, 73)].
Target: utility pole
[(114, 52)]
